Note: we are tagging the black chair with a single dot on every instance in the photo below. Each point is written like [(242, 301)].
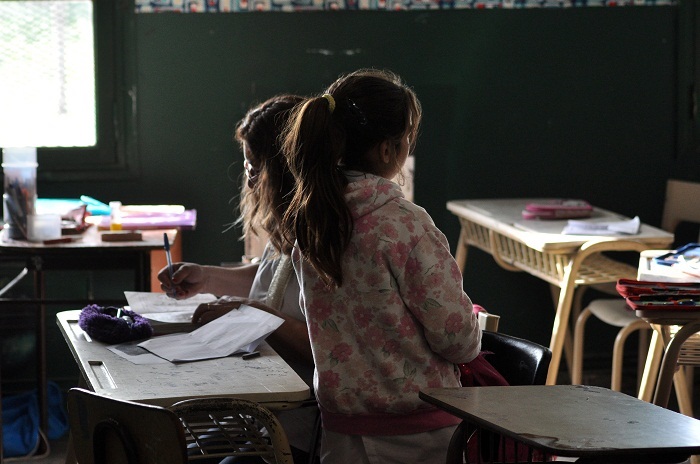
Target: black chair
[(520, 362)]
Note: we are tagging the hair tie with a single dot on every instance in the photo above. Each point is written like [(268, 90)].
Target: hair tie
[(331, 101)]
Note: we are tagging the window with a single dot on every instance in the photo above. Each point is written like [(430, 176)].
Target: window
[(65, 86)]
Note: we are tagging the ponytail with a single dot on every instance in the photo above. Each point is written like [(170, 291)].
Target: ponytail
[(317, 217)]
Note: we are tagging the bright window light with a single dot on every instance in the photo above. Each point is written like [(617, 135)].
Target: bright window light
[(47, 73)]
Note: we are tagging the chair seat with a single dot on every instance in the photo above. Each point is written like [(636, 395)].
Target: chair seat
[(613, 312)]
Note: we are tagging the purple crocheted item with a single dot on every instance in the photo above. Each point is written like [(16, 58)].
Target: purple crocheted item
[(102, 324)]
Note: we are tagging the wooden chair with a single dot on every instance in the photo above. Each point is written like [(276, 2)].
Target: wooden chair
[(520, 362), (109, 431), (680, 206)]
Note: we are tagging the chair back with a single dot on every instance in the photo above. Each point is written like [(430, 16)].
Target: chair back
[(519, 361), (232, 427), (681, 205), (109, 431)]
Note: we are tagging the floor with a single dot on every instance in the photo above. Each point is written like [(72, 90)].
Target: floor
[(57, 449)]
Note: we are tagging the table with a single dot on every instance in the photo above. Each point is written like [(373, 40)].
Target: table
[(86, 252), (666, 344), (539, 248), (266, 379), (593, 424)]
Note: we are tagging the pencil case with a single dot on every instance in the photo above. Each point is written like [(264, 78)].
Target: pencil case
[(631, 287), (673, 302), (557, 209), (113, 325)]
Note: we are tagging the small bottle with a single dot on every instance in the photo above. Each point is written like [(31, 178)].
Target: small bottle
[(115, 215)]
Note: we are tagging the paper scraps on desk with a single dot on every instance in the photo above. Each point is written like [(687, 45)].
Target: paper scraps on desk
[(578, 227), (237, 331)]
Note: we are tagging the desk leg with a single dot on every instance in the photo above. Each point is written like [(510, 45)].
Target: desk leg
[(668, 365), (651, 367), (560, 328), (42, 376), (461, 252)]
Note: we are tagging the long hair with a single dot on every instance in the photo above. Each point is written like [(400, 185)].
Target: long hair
[(332, 132), (266, 194)]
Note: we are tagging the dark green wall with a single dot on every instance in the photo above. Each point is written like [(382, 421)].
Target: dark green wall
[(577, 102)]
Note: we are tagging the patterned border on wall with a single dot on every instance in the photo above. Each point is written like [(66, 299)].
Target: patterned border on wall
[(226, 6)]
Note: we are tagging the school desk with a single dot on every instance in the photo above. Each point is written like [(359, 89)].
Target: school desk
[(265, 379), (593, 424), (86, 251), (675, 332), (538, 247)]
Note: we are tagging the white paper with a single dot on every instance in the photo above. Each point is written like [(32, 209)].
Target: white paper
[(582, 227), (237, 331), (151, 302), (134, 353)]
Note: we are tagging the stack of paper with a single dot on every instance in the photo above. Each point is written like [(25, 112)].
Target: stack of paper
[(578, 227), (237, 331)]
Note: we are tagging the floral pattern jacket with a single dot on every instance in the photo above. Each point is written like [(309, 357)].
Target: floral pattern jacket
[(400, 322)]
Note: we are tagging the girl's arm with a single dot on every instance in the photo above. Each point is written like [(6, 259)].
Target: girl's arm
[(431, 286), (190, 279)]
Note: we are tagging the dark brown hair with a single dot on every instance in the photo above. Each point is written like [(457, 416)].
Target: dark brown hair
[(265, 200), (329, 134)]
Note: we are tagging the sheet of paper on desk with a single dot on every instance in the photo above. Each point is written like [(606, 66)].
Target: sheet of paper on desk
[(580, 227), (237, 331), (160, 307)]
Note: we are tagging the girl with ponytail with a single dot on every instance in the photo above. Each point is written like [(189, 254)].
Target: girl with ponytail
[(381, 292)]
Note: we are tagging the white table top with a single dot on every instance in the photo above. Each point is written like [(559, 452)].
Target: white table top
[(264, 379), (505, 216), (573, 420)]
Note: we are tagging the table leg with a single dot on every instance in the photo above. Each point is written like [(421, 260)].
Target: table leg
[(461, 252), (560, 327), (670, 359), (42, 376), (651, 367)]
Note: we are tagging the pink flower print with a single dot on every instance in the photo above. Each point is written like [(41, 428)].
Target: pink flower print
[(366, 223), (368, 243), (412, 267), (389, 231), (387, 370), (329, 379), (341, 352), (375, 337), (376, 403), (362, 316), (391, 346), (407, 327), (373, 279), (399, 252), (434, 280), (320, 310), (454, 323), (417, 293), (384, 188), (408, 221), (455, 272), (388, 319)]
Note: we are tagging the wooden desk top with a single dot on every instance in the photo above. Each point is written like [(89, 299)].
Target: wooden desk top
[(265, 379), (90, 239), (573, 420), (505, 216)]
